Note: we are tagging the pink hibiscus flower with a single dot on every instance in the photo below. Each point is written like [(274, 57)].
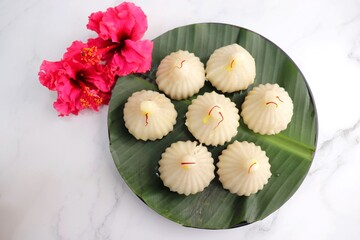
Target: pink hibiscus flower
[(120, 30), (80, 79), (85, 76)]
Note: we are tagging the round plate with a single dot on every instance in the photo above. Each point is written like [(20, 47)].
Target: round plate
[(290, 152)]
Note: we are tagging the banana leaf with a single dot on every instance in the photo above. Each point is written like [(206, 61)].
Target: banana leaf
[(290, 152)]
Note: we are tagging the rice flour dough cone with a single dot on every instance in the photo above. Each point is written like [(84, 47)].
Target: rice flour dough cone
[(231, 68), (180, 75), (243, 168), (212, 119), (267, 109), (149, 115), (186, 167)]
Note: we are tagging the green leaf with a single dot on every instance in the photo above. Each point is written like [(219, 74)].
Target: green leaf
[(290, 152)]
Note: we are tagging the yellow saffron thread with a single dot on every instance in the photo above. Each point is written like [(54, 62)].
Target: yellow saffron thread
[(230, 67)]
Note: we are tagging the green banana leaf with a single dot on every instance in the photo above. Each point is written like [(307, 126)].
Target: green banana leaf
[(290, 152)]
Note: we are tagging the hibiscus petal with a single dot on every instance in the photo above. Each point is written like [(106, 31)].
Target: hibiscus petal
[(106, 97), (64, 108), (94, 20), (70, 68), (49, 73), (74, 51), (68, 90), (100, 77), (137, 56), (141, 24), (105, 48), (125, 21), (116, 25), (119, 66)]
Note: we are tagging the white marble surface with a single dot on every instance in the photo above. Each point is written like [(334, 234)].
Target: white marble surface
[(57, 177)]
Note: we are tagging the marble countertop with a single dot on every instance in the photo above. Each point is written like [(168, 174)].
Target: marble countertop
[(57, 176)]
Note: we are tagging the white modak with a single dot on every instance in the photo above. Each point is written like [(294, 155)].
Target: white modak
[(212, 119), (149, 115), (186, 167), (267, 109), (180, 75), (231, 68), (243, 168)]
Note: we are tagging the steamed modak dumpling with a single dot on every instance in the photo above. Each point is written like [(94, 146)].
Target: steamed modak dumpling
[(243, 168), (212, 119), (231, 68), (180, 75), (186, 167), (149, 115), (267, 109)]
